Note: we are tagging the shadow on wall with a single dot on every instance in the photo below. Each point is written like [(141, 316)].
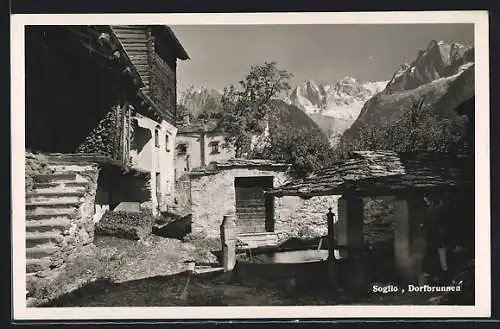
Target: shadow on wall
[(141, 138), (114, 187), (173, 225), (83, 92)]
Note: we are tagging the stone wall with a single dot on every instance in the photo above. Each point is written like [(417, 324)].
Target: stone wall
[(81, 231), (69, 231), (304, 218), (182, 194), (102, 139), (213, 196)]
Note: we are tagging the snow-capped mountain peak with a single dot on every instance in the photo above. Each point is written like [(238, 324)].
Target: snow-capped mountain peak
[(334, 107), (343, 99), (439, 59)]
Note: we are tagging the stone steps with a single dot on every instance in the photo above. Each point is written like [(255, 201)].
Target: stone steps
[(47, 225), (61, 184), (41, 251), (34, 239), (54, 200), (41, 199), (47, 213), (58, 192), (53, 204), (55, 177), (72, 167), (34, 265)]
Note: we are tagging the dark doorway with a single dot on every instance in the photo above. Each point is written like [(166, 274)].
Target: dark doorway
[(254, 210)]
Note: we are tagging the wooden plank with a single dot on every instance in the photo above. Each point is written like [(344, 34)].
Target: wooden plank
[(245, 216), (131, 51), (250, 219), (140, 57), (251, 229), (128, 27), (135, 51), (142, 67), (259, 200), (135, 46), (244, 195), (135, 42), (131, 35), (251, 210), (251, 215)]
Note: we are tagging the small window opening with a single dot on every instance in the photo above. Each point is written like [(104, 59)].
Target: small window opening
[(157, 137), (181, 149), (214, 147)]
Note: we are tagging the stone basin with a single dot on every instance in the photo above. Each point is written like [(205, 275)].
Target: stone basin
[(294, 256), (304, 266)]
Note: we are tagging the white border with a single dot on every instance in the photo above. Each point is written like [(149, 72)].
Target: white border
[(482, 307)]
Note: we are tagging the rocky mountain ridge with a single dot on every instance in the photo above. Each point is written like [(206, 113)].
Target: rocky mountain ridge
[(349, 102), (442, 75)]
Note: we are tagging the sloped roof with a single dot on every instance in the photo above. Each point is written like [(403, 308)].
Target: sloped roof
[(166, 31), (373, 172), (217, 166), (198, 126)]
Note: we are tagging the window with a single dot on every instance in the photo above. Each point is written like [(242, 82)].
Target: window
[(181, 149), (157, 137), (166, 144), (214, 146)]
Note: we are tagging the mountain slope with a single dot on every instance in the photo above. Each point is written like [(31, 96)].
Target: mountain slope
[(291, 117), (438, 60), (442, 76), (201, 101)]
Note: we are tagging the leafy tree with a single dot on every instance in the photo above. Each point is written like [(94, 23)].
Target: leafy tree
[(182, 112), (419, 129), (246, 109), (295, 139), (303, 148)]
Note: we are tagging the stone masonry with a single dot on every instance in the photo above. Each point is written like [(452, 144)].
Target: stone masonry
[(213, 196), (305, 218), (59, 215)]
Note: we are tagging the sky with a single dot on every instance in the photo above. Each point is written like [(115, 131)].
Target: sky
[(223, 54)]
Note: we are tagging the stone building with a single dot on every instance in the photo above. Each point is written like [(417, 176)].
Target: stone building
[(236, 186), (198, 144), (409, 181), (101, 107)]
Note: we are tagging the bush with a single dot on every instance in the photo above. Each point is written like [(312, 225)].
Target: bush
[(121, 224)]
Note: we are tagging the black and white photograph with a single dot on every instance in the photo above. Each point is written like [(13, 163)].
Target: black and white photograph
[(200, 163)]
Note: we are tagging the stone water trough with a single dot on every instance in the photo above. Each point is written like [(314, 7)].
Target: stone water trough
[(301, 265), (255, 259)]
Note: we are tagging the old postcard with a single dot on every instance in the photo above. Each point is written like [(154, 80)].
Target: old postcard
[(244, 166)]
